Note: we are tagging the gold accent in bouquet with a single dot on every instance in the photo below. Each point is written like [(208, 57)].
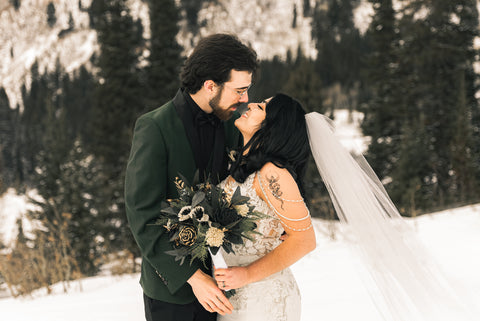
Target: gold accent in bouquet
[(169, 226), (205, 218), (179, 183), (187, 235)]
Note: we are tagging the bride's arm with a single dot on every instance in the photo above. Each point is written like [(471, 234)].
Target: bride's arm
[(278, 188)]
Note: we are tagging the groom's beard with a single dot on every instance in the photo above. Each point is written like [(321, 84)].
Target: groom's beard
[(221, 113)]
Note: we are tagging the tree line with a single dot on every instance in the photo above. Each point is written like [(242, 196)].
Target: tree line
[(411, 74), (423, 114)]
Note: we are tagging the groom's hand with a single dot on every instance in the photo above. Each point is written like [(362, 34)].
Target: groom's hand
[(208, 293)]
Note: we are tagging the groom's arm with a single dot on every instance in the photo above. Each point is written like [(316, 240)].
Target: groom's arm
[(145, 188)]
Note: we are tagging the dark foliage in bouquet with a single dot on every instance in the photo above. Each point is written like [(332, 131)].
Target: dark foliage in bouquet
[(206, 216)]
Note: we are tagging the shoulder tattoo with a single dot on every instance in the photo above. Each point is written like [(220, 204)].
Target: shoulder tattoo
[(274, 187)]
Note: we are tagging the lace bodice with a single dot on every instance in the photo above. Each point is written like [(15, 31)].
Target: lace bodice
[(270, 228), (276, 297)]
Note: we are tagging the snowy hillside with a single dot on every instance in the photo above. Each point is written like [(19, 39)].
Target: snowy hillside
[(265, 24), (328, 278), (25, 35)]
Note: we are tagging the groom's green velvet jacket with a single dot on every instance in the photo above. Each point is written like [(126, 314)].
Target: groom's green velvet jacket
[(160, 151)]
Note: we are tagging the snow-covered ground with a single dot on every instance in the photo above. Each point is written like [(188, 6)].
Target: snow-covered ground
[(330, 285)]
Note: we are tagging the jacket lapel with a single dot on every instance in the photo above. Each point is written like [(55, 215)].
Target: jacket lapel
[(182, 111)]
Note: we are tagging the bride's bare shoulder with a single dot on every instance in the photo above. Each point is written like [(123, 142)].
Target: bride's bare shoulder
[(277, 179), (270, 169)]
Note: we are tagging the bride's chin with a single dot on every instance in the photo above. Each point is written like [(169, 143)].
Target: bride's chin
[(237, 122)]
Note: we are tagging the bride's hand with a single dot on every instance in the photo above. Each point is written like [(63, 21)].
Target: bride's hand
[(232, 278)]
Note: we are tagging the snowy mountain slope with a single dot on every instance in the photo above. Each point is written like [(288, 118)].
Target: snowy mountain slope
[(267, 25), (25, 36)]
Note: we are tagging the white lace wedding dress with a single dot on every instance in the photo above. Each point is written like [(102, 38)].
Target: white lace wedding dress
[(275, 298)]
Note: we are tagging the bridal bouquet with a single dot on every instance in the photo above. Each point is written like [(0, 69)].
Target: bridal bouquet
[(206, 218)]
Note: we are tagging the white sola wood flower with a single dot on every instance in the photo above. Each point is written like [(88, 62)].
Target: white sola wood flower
[(184, 213), (198, 211), (214, 237)]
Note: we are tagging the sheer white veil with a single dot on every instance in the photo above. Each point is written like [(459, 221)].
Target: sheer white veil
[(403, 280)]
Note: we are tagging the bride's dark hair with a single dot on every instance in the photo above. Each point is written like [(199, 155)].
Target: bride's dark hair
[(282, 139)]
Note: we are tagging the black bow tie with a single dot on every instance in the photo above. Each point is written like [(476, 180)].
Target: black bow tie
[(203, 118)]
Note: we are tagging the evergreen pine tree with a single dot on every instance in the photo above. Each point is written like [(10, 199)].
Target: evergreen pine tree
[(339, 44), (95, 12), (462, 143), (117, 99), (407, 179), (7, 142), (74, 202), (466, 141), (117, 104), (191, 8), (304, 84), (69, 184), (77, 98), (51, 17), (294, 21), (71, 22), (382, 114), (52, 243), (31, 123), (79, 197), (16, 4), (55, 146), (270, 78), (420, 115), (306, 8), (165, 59), (440, 57)]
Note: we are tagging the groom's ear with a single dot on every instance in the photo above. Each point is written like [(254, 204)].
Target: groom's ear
[(210, 87)]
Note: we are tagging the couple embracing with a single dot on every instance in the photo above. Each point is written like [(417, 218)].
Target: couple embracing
[(273, 140), (193, 132)]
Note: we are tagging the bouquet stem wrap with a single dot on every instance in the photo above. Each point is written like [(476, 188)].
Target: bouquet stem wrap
[(218, 260)]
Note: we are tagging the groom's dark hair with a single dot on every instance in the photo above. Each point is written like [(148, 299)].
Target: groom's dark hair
[(213, 59), (282, 140)]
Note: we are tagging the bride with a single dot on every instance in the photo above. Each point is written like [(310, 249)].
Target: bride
[(405, 283), (269, 170)]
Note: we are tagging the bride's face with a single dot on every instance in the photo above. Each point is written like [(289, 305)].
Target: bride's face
[(251, 120)]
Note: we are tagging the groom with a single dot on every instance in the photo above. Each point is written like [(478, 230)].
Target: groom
[(189, 133)]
